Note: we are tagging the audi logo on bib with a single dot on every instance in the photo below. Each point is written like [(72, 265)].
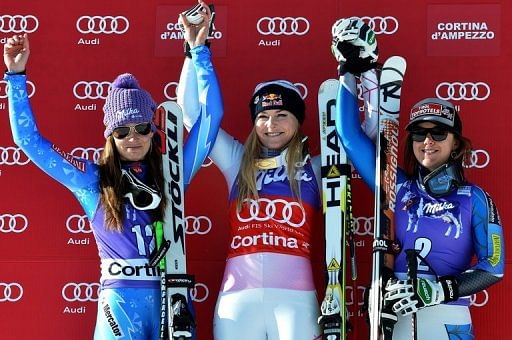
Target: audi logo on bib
[(18, 23), (31, 89), (10, 292), (91, 89), (102, 24), (16, 223), (12, 156), (78, 224), (463, 91), (282, 26), (80, 292), (279, 210), (382, 25), (478, 159)]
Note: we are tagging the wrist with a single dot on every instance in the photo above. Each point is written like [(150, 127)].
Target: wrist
[(449, 287)]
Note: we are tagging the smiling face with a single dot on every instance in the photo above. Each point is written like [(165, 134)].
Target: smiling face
[(133, 147), (275, 128), (431, 153)]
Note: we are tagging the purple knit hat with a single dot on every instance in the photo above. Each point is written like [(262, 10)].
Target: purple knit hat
[(127, 103)]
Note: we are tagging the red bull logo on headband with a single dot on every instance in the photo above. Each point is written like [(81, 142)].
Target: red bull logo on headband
[(271, 99)]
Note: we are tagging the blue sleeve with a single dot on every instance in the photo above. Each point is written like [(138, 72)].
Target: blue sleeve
[(203, 133), (80, 176), (488, 239)]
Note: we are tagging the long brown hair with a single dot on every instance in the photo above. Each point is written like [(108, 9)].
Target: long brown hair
[(112, 186), (246, 179), (459, 156)]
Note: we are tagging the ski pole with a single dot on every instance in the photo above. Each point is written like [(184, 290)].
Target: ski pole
[(412, 271)]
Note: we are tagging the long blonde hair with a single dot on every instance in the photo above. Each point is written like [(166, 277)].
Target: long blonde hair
[(112, 186), (246, 179)]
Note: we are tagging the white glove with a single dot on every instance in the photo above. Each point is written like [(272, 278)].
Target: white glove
[(356, 32)]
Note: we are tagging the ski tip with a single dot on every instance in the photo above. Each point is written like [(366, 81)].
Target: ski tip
[(328, 85), (396, 62)]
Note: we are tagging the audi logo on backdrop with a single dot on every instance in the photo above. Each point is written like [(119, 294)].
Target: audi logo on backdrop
[(283, 26), (277, 210), (349, 291), (382, 25), (78, 224), (16, 223), (92, 154), (363, 226), (479, 299), (173, 95), (200, 225), (200, 292), (478, 159), (302, 89), (207, 163), (10, 292), (31, 89), (92, 89), (463, 91), (18, 23), (12, 156), (102, 24), (80, 292)]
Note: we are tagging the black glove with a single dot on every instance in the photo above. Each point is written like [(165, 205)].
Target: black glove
[(354, 63)]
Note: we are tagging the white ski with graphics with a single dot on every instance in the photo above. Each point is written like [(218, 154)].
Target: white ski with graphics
[(177, 321), (390, 86), (336, 199)]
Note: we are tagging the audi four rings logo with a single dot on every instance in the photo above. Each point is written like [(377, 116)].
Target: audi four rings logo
[(363, 225), (12, 156), (200, 225), (463, 91), (92, 154), (200, 292), (277, 210), (207, 162), (16, 223), (10, 292), (92, 89), (78, 224), (349, 293), (478, 159), (173, 95), (80, 292), (382, 25), (102, 24), (302, 89), (18, 23), (283, 26), (479, 299), (31, 89)]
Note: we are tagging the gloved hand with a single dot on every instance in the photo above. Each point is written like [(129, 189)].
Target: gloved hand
[(407, 297), (354, 46)]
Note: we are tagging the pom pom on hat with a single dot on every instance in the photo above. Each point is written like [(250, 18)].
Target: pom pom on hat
[(127, 103)]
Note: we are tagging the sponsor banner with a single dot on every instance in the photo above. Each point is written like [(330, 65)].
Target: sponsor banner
[(464, 30)]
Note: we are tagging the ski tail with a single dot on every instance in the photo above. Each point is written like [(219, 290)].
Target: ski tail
[(390, 86)]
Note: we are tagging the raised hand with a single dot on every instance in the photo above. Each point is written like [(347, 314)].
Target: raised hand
[(16, 52), (195, 34)]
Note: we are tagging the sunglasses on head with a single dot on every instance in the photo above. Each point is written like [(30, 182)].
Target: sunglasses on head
[(437, 133), (123, 131)]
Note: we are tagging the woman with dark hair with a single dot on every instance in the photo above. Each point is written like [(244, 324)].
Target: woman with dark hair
[(121, 195), (445, 219)]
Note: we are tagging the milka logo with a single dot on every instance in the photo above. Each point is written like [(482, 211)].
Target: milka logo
[(432, 208), (278, 175), (128, 112)]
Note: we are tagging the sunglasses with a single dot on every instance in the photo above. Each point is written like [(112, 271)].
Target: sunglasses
[(123, 131), (436, 133), (140, 195)]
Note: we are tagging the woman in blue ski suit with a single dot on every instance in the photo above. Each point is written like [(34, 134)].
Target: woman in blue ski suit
[(439, 214), (121, 195)]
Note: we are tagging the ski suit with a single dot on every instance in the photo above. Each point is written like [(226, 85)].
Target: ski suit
[(129, 300), (267, 291), (447, 231)]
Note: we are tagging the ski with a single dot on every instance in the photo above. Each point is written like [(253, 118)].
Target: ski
[(336, 199), (177, 321), (390, 86)]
